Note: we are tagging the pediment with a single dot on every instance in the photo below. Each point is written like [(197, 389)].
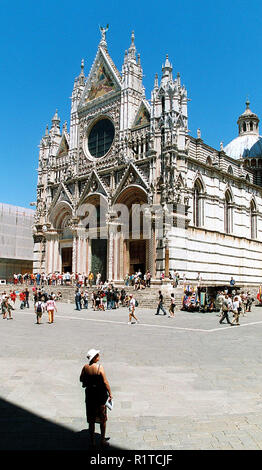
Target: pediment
[(63, 146), (132, 176), (103, 79), (142, 117), (93, 185), (61, 194)]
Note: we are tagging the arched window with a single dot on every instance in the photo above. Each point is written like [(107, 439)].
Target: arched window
[(230, 170), (248, 178), (198, 212), (251, 126), (253, 220), (228, 213), (163, 104)]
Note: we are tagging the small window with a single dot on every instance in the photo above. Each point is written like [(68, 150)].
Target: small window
[(228, 218), (253, 220)]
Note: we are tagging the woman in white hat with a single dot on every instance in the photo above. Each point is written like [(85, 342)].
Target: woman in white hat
[(97, 391)]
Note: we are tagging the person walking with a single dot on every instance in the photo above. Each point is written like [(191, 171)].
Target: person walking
[(172, 306), (39, 310), (97, 392), (51, 308), (226, 305), (85, 297), (26, 297), (22, 298), (160, 304), (236, 311), (78, 299), (132, 308)]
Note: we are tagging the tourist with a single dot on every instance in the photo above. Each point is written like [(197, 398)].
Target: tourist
[(97, 392), (244, 302), (236, 311), (172, 306), (22, 298), (85, 298), (232, 282), (51, 308), (6, 307), (26, 297), (78, 299), (90, 278), (250, 300), (98, 278), (13, 297), (160, 304), (132, 307), (148, 279), (226, 306), (39, 310)]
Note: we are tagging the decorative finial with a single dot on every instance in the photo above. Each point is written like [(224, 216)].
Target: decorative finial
[(221, 146), (247, 103), (198, 133)]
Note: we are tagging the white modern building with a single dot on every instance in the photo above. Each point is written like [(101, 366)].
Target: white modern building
[(16, 241), (122, 149)]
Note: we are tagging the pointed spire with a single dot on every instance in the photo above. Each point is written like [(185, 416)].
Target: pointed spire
[(65, 127), (81, 78), (156, 81), (132, 48), (46, 131), (56, 119), (167, 69)]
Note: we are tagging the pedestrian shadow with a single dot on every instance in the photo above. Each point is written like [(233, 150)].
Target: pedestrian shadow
[(21, 430)]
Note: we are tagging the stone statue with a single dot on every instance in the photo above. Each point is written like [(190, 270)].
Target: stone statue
[(103, 31)]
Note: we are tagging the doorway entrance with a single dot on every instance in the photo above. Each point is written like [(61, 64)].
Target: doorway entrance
[(137, 256), (99, 257), (67, 259)]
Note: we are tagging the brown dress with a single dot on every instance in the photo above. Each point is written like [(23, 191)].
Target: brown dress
[(95, 395)]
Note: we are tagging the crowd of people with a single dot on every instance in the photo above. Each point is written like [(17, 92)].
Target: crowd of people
[(138, 280), (43, 302), (105, 297)]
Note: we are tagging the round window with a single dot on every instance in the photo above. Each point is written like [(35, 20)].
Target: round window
[(101, 137)]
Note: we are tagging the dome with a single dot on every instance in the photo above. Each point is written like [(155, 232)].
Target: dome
[(242, 145), (248, 137), (255, 151)]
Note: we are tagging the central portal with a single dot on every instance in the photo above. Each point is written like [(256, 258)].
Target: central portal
[(137, 254), (66, 260), (99, 257)]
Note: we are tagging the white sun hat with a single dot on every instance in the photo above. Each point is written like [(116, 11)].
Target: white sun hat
[(91, 354)]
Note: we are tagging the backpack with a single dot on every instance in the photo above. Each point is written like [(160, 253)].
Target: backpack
[(39, 308), (136, 303)]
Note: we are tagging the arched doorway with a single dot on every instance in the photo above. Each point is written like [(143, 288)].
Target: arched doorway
[(93, 212), (133, 250)]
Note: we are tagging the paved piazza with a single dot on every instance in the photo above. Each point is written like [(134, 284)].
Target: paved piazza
[(182, 383)]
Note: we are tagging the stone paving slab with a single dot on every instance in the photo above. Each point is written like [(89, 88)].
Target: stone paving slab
[(178, 383)]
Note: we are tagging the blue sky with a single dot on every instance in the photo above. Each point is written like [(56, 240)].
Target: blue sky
[(215, 45)]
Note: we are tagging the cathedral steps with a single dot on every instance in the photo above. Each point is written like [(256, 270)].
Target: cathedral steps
[(147, 298)]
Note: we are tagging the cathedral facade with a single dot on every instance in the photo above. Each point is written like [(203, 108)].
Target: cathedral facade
[(126, 163)]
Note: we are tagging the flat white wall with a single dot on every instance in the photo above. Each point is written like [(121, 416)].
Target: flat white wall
[(16, 240)]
